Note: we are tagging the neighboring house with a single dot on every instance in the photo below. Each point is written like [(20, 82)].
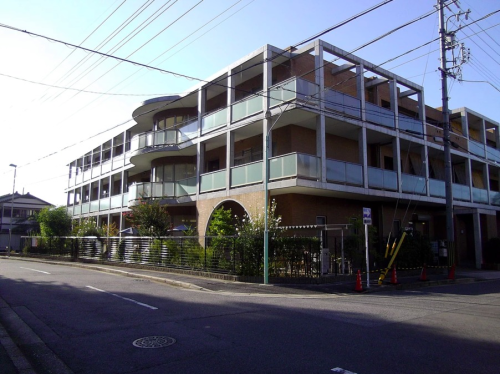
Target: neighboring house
[(343, 135), (23, 209)]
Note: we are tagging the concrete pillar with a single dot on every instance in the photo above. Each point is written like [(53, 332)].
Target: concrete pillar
[(229, 158), (396, 154), (465, 124), (478, 245), (363, 154), (202, 95), (320, 119), (393, 88), (360, 88), (468, 175), (425, 163), (200, 166), (230, 96)]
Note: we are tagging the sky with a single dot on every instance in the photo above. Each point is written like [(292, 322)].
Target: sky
[(43, 128)]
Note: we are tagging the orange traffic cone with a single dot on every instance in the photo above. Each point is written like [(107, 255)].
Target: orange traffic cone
[(359, 286), (451, 272), (394, 278), (423, 274)]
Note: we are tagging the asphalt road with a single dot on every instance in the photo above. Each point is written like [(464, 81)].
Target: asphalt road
[(68, 319)]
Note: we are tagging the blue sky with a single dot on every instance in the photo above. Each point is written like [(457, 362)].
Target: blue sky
[(37, 121)]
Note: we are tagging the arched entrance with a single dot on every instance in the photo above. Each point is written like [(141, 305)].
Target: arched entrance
[(236, 210)]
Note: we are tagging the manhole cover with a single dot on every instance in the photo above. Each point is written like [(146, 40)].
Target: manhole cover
[(154, 342)]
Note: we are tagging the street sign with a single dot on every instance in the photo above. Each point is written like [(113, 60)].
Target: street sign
[(367, 216)]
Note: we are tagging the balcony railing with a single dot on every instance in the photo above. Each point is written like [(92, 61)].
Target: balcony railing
[(214, 120), (477, 148), (185, 187), (246, 174), (116, 201), (344, 172), (410, 125), (461, 192), (495, 197), (413, 184), (437, 188), (246, 107), (382, 179), (479, 195), (213, 181), (294, 165), (343, 103), (295, 88), (150, 189), (379, 115), (493, 154), (166, 137)]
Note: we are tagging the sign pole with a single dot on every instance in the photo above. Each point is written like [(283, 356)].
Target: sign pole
[(367, 220)]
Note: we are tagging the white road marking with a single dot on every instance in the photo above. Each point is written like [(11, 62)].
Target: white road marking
[(39, 271), (342, 371), (123, 298)]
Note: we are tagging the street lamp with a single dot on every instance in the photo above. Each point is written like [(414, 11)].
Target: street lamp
[(11, 208), (266, 193)]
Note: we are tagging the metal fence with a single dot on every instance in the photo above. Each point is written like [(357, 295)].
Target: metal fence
[(292, 257)]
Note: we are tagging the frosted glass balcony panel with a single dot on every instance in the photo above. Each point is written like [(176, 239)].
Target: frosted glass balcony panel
[(461, 192), (307, 166), (246, 107), (476, 148), (246, 174), (494, 196), (213, 181), (187, 131), (382, 179), (479, 195), (85, 208), (104, 204), (410, 124), (437, 188), (379, 115), (116, 201), (214, 120), (185, 187), (413, 184), (94, 206)]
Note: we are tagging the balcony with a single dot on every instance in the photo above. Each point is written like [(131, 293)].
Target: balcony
[(213, 181), (246, 107), (379, 115), (413, 184), (246, 174), (495, 197), (382, 179), (493, 154), (479, 195), (150, 190), (461, 192), (410, 125), (167, 137), (294, 165), (437, 188), (344, 172), (294, 88), (185, 187), (343, 103), (214, 120), (477, 148)]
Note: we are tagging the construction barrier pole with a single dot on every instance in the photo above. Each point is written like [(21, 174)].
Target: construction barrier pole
[(386, 270)]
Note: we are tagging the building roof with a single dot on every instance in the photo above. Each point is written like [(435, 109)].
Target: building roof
[(8, 198)]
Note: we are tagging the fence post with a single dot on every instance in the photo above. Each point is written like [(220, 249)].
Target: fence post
[(234, 257), (205, 241)]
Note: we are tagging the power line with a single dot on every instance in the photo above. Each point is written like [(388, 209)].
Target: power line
[(85, 91)]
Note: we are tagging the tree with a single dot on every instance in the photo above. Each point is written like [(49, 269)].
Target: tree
[(54, 221), (150, 218), (221, 223), (87, 227)]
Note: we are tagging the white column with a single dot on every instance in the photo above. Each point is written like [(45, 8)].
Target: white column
[(360, 87), (320, 119), (363, 154), (229, 158)]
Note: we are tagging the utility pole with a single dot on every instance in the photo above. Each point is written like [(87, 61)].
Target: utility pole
[(447, 42)]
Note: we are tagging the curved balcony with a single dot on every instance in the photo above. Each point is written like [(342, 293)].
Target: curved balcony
[(162, 138), (161, 190)]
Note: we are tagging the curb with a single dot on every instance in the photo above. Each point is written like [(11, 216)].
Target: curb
[(23, 338)]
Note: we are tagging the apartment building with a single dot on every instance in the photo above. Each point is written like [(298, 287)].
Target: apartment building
[(343, 134)]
